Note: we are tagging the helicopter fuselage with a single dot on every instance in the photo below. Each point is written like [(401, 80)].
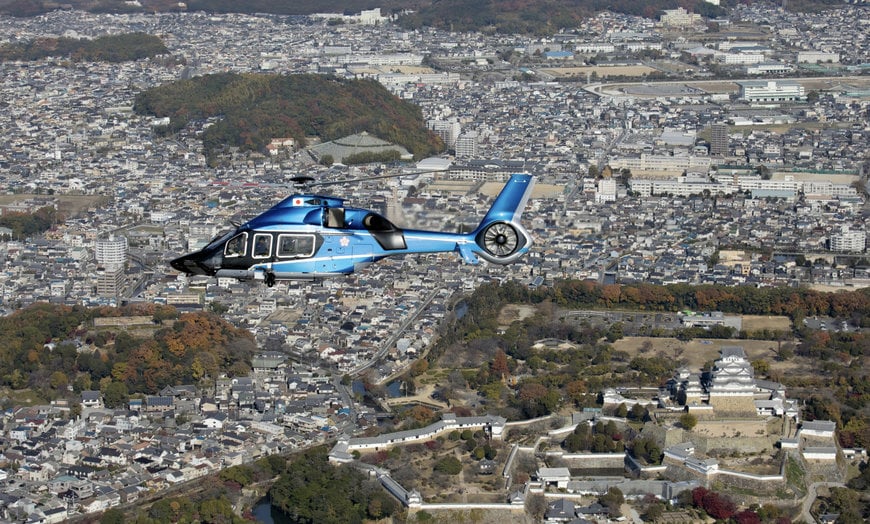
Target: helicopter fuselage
[(306, 237)]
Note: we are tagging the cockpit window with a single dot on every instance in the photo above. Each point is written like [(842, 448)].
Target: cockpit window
[(236, 246), (295, 246), (220, 239), (375, 222), (262, 245)]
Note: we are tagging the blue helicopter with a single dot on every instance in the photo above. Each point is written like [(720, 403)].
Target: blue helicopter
[(308, 237)]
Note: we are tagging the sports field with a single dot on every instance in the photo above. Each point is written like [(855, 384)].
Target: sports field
[(600, 71)]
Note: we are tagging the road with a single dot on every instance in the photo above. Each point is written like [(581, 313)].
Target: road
[(598, 88), (397, 334), (812, 493), (600, 162)]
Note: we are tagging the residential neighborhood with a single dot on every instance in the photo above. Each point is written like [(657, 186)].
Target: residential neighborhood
[(665, 151)]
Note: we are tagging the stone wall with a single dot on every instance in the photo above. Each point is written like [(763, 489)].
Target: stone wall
[(761, 444), (733, 427), (729, 405), (663, 436)]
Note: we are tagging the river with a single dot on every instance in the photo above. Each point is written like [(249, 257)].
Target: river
[(264, 513)]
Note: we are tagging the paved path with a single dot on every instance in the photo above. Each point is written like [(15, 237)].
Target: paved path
[(812, 493)]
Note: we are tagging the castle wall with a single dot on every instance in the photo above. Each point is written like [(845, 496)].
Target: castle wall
[(724, 405)]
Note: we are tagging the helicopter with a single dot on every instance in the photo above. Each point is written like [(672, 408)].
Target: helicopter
[(310, 236)]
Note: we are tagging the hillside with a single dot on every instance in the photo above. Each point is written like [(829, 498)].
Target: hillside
[(518, 16), (113, 48), (251, 109), (49, 347), (536, 16)]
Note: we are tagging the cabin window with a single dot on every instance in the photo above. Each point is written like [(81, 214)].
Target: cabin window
[(295, 246), (335, 217), (236, 246), (262, 245), (374, 222)]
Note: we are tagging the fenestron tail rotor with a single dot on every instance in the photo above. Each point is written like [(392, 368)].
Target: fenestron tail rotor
[(500, 239)]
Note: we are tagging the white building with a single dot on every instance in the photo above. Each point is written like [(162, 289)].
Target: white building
[(594, 48), (606, 191), (732, 388), (815, 57), (649, 162), (740, 58), (467, 145), (679, 17), (371, 17), (849, 240), (112, 252), (448, 131), (679, 187), (771, 91), (769, 68)]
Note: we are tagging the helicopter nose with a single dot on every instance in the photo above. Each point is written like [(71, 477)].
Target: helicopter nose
[(192, 264)]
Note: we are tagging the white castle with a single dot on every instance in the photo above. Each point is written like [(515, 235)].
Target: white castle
[(732, 388)]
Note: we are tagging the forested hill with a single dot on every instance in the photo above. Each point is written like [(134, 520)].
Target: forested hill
[(515, 16), (537, 16), (113, 48), (255, 108), (49, 347)]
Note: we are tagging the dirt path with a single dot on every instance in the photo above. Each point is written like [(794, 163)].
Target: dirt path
[(423, 396)]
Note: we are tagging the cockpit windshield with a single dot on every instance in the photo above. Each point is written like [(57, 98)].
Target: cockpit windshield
[(220, 239)]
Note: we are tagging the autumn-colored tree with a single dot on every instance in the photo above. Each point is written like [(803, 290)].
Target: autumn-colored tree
[(856, 432), (610, 294), (698, 495), (576, 391), (718, 506), (419, 367), (58, 380), (747, 517), (421, 414), (499, 364)]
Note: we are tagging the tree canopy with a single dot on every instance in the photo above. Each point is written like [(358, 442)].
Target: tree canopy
[(112, 48), (193, 346), (314, 491), (248, 110), (26, 224)]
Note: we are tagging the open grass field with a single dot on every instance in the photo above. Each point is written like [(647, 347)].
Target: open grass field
[(601, 71), (539, 191), (514, 313), (68, 205), (698, 351), (758, 322)]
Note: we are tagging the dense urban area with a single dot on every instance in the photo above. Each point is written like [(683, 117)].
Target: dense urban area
[(686, 340)]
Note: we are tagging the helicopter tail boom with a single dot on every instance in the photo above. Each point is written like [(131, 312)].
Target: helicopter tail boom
[(500, 238)]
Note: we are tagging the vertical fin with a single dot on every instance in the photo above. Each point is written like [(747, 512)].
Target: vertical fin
[(509, 204)]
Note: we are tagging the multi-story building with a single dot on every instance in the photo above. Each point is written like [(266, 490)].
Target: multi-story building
[(679, 17), (719, 139), (606, 190), (467, 145), (664, 163), (848, 240), (771, 91), (817, 56), (110, 281), (447, 130), (740, 58), (112, 252), (768, 68)]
